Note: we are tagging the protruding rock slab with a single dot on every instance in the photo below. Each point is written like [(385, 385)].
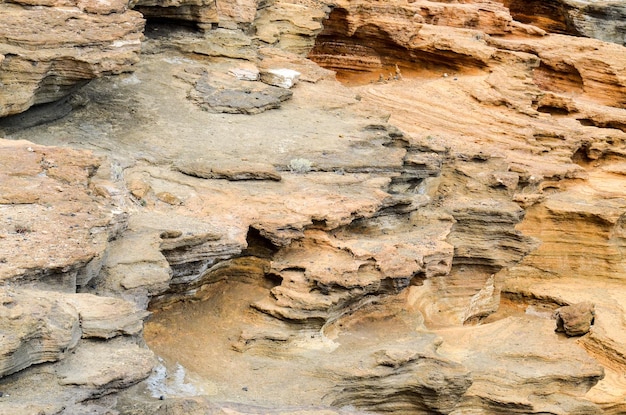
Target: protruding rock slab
[(229, 170), (246, 98), (50, 49), (34, 329), (284, 78), (105, 317), (104, 367), (48, 209)]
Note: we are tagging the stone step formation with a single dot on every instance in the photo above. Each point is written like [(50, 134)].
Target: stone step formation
[(196, 216)]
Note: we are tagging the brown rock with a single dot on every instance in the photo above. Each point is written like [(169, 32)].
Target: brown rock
[(35, 329), (168, 198), (600, 20), (219, 169), (50, 213), (51, 49), (424, 225), (575, 320)]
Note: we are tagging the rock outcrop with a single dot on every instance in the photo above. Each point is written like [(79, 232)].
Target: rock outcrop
[(48, 49), (398, 244), (601, 20)]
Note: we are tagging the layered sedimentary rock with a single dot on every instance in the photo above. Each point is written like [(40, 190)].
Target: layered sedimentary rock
[(48, 49), (47, 192), (339, 259), (597, 19)]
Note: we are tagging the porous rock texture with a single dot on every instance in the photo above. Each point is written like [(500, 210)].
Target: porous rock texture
[(396, 243)]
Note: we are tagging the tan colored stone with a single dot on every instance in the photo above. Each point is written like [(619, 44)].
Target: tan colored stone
[(35, 329), (575, 320), (50, 197), (168, 198), (105, 318), (106, 367), (419, 229), (51, 49)]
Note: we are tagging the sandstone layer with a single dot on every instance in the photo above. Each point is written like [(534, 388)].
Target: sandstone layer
[(49, 48), (597, 19), (441, 234)]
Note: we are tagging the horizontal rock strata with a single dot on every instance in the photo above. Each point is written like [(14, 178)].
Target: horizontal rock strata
[(315, 254), (48, 49)]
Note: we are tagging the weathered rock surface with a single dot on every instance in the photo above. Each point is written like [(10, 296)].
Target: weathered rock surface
[(343, 260), (47, 49), (35, 329), (555, 363), (574, 320), (244, 98), (47, 192), (602, 20)]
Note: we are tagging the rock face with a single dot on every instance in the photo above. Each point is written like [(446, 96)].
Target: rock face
[(596, 19), (399, 243), (47, 49), (575, 320), (47, 192)]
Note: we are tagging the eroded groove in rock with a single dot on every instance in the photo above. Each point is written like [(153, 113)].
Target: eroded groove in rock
[(602, 20)]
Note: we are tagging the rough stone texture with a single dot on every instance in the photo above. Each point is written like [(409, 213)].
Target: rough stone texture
[(109, 366), (105, 318), (555, 361), (205, 13), (244, 98), (217, 169), (35, 329), (49, 48), (406, 270), (47, 192), (574, 320), (597, 19)]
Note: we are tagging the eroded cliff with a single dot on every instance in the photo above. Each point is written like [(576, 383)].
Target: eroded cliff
[(396, 243)]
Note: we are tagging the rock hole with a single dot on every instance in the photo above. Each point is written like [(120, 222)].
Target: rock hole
[(258, 245), (319, 224), (611, 124), (158, 27), (581, 157), (564, 78), (274, 279), (553, 110)]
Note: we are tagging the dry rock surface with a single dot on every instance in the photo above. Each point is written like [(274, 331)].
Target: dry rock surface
[(441, 232), (48, 48)]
